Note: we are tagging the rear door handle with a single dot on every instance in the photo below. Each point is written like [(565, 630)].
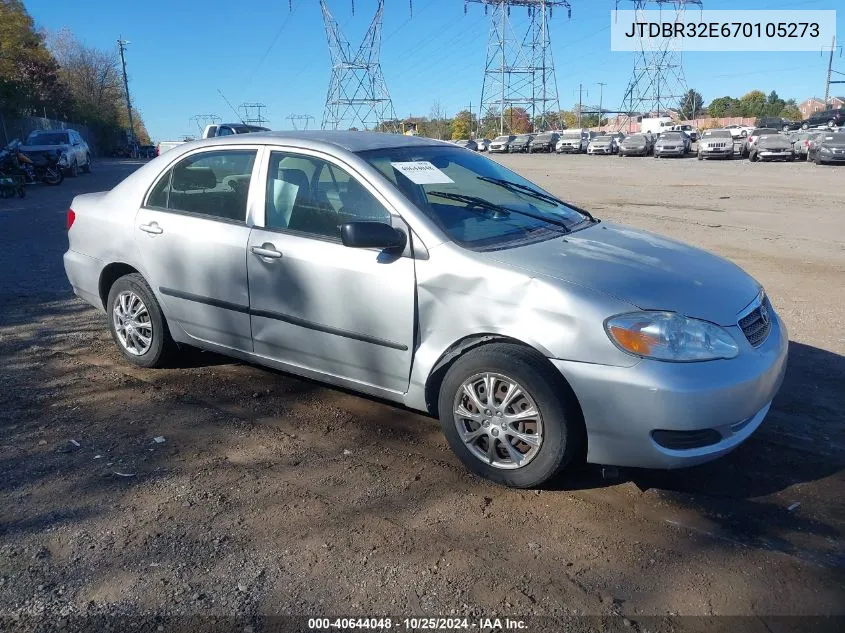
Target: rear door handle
[(266, 250), (152, 227)]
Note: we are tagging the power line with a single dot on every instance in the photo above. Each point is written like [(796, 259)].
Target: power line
[(121, 44)]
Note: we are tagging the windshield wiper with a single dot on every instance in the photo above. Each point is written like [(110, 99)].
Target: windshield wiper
[(491, 206), (532, 192)]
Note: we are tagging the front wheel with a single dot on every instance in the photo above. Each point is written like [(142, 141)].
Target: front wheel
[(137, 323), (86, 168), (700, 157), (805, 126), (53, 176), (509, 416)]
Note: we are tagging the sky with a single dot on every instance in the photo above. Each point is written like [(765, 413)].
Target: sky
[(182, 52)]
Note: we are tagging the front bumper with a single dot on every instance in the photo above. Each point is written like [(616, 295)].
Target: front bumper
[(831, 157), (499, 149), (600, 150), (776, 155), (675, 151), (721, 152), (568, 149), (622, 406), (633, 151)]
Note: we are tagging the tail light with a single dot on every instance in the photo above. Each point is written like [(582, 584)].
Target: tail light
[(71, 218)]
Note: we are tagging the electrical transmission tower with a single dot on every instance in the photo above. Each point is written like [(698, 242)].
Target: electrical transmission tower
[(252, 114), (202, 120), (297, 119), (358, 95), (657, 83), (520, 71)]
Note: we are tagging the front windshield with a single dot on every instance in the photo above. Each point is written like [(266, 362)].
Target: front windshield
[(717, 134), (671, 136), (48, 138), (523, 137), (576, 134), (603, 139), (503, 138), (635, 139), (835, 138), (544, 137), (477, 202)]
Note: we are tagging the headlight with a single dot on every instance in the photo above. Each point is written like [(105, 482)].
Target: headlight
[(669, 336), (825, 150), (62, 157)]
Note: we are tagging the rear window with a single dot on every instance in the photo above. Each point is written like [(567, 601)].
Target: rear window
[(763, 130)]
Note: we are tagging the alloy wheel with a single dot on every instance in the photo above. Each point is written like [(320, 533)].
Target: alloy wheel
[(132, 323), (498, 421)]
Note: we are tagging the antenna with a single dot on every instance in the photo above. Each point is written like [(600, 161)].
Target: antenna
[(231, 107)]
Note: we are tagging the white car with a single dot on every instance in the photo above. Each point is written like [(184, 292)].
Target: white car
[(605, 144), (74, 154), (739, 131)]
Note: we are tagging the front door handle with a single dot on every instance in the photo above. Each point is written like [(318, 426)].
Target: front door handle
[(266, 250), (152, 228)]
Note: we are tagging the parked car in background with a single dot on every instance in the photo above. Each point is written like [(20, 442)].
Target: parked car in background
[(467, 144), (739, 131), (71, 149), (751, 139), (636, 145), (147, 151), (213, 131), (483, 144), (604, 144), (828, 148), (521, 143), (800, 142), (778, 123), (418, 260), (772, 147), (831, 118), (574, 141), (544, 142), (501, 144), (715, 144), (672, 144), (687, 129)]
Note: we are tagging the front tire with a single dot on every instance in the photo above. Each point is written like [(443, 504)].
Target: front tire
[(137, 324), (53, 176), (86, 169), (73, 170), (509, 416)]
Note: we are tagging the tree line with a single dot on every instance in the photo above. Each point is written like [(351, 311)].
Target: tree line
[(517, 120), (57, 76)]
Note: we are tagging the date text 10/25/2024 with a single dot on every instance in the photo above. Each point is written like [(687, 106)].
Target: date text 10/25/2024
[(417, 624)]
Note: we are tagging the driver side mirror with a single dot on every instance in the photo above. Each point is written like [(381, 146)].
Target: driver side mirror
[(372, 235)]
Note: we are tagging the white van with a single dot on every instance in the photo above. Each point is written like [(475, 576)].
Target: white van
[(656, 125)]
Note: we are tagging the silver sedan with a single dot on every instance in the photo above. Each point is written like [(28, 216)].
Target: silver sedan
[(415, 271)]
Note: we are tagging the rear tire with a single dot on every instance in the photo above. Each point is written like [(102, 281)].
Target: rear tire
[(73, 170), (555, 442), (143, 339)]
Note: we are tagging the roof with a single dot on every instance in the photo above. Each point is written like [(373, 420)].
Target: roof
[(350, 141)]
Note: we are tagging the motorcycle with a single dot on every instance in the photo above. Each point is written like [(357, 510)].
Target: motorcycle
[(12, 174), (42, 166)]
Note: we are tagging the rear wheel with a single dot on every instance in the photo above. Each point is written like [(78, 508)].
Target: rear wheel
[(700, 157), (53, 176), (73, 170), (505, 412), (137, 324), (805, 126)]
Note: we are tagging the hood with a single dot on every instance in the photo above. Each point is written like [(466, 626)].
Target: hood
[(646, 270), (831, 145), (44, 148)]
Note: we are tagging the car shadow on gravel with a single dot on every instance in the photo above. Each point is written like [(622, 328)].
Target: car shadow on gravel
[(754, 495)]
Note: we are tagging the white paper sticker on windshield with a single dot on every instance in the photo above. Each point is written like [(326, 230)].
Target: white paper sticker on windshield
[(421, 172)]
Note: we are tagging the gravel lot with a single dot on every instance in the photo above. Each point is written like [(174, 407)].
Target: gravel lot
[(275, 495)]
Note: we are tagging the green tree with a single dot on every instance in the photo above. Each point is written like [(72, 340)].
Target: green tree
[(28, 73), (724, 107), (517, 120), (691, 104), (462, 125), (753, 104), (569, 119), (790, 111)]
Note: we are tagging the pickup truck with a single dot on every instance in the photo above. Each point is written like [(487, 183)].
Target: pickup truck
[(210, 131)]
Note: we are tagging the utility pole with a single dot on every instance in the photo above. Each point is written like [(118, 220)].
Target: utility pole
[(601, 95), (580, 102), (121, 43), (830, 71)]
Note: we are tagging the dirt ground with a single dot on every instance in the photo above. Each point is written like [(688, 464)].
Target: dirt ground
[(265, 494)]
